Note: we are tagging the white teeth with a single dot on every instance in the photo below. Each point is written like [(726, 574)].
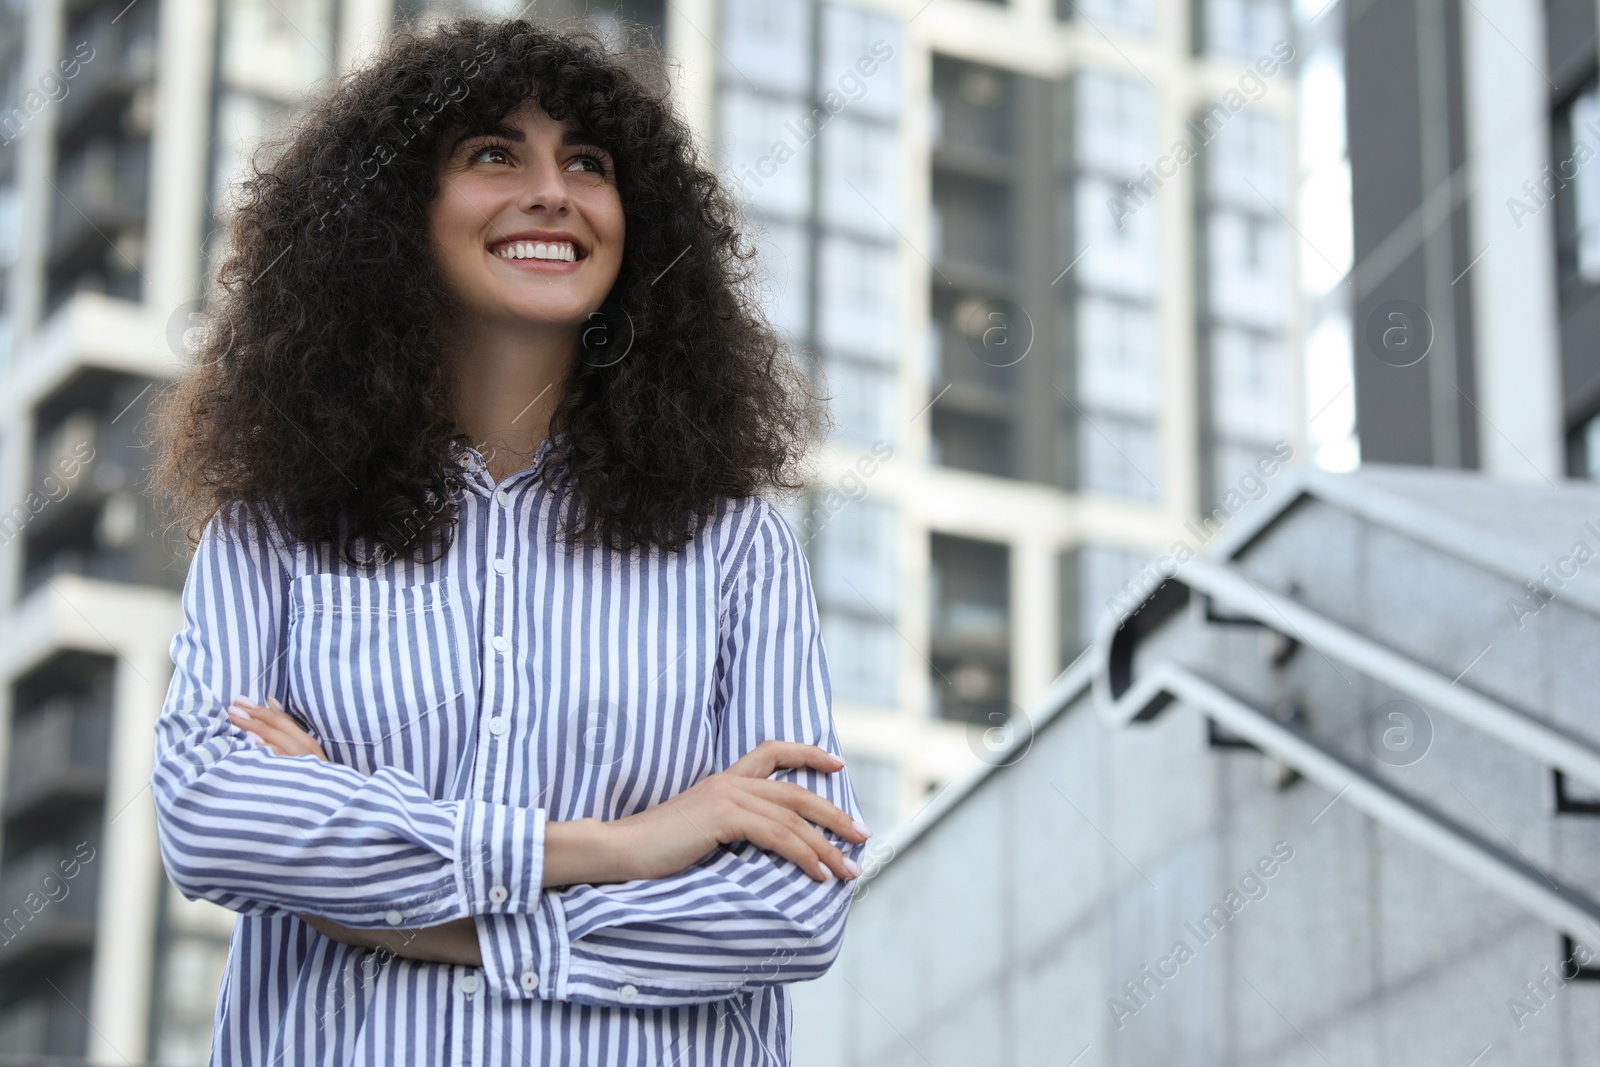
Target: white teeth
[(560, 251)]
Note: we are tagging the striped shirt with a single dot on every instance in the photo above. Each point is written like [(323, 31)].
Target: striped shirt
[(462, 704)]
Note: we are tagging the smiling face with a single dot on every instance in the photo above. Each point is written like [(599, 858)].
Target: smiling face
[(527, 224)]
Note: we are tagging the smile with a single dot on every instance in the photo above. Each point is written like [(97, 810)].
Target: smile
[(558, 251)]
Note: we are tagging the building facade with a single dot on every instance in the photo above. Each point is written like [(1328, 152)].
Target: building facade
[(1474, 207), (1044, 259)]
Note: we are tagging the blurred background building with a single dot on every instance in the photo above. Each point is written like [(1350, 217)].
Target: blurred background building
[(1078, 276)]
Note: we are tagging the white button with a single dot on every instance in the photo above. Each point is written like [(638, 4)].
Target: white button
[(498, 725), (627, 993), (394, 918), (501, 642), (498, 894), (502, 565), (502, 497), (469, 984), (530, 980)]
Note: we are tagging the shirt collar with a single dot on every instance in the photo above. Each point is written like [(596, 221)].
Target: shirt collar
[(472, 461)]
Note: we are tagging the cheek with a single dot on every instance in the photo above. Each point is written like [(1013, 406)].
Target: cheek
[(606, 216)]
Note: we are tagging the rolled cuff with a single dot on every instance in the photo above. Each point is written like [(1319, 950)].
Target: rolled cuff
[(500, 857), (525, 955)]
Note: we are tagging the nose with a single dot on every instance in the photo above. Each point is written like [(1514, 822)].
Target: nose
[(546, 187)]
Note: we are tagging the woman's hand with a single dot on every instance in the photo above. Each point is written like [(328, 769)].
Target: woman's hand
[(743, 804), (452, 942), (270, 725)]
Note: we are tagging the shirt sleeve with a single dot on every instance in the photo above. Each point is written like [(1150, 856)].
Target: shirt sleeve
[(742, 916), (263, 834)]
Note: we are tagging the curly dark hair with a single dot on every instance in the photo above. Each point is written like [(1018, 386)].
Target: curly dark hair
[(321, 394)]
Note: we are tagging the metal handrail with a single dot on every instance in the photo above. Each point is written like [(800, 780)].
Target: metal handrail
[(1543, 741), (1562, 906)]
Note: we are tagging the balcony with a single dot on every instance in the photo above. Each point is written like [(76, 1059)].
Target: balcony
[(970, 646), (58, 756), (51, 913), (86, 514), (973, 107), (123, 62), (36, 1020), (103, 189)]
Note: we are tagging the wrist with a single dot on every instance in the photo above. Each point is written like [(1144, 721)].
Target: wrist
[(582, 851)]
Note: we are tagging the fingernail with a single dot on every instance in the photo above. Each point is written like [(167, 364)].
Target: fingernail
[(840, 759), (862, 828), (852, 866), (240, 698), (241, 713)]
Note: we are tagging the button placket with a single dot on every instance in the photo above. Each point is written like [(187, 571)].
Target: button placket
[(499, 667), (496, 663)]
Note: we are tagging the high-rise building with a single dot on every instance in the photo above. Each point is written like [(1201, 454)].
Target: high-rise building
[(1045, 259), (1474, 207)]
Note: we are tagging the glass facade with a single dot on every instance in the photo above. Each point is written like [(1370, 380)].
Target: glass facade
[(1243, 29), (1246, 281), (270, 56), (1578, 199), (1108, 219), (856, 582), (12, 118), (970, 598), (1126, 16), (808, 115)]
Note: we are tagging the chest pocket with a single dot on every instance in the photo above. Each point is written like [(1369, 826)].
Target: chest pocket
[(380, 671)]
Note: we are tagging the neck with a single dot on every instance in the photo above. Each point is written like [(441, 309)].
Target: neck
[(508, 381)]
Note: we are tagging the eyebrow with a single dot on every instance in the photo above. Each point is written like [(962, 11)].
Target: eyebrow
[(515, 135)]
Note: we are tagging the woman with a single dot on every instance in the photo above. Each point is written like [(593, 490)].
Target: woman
[(529, 756)]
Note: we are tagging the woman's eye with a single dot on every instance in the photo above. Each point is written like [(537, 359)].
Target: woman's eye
[(594, 164), (489, 150)]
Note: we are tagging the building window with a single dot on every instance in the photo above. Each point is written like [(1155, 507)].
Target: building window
[(96, 234), (854, 555), (971, 604), (1577, 199), (809, 137), (96, 520), (54, 820), (1245, 282), (1106, 219), (1583, 450), (1243, 29), (772, 39), (1128, 16)]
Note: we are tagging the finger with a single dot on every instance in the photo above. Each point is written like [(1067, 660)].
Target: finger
[(815, 808), (769, 755), (834, 859), (776, 836), (294, 726), (271, 712), (281, 742), (277, 726)]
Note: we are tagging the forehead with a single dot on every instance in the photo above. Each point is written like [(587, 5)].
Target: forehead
[(516, 125)]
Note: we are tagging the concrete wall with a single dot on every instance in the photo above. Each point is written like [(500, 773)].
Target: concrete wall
[(1003, 933)]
